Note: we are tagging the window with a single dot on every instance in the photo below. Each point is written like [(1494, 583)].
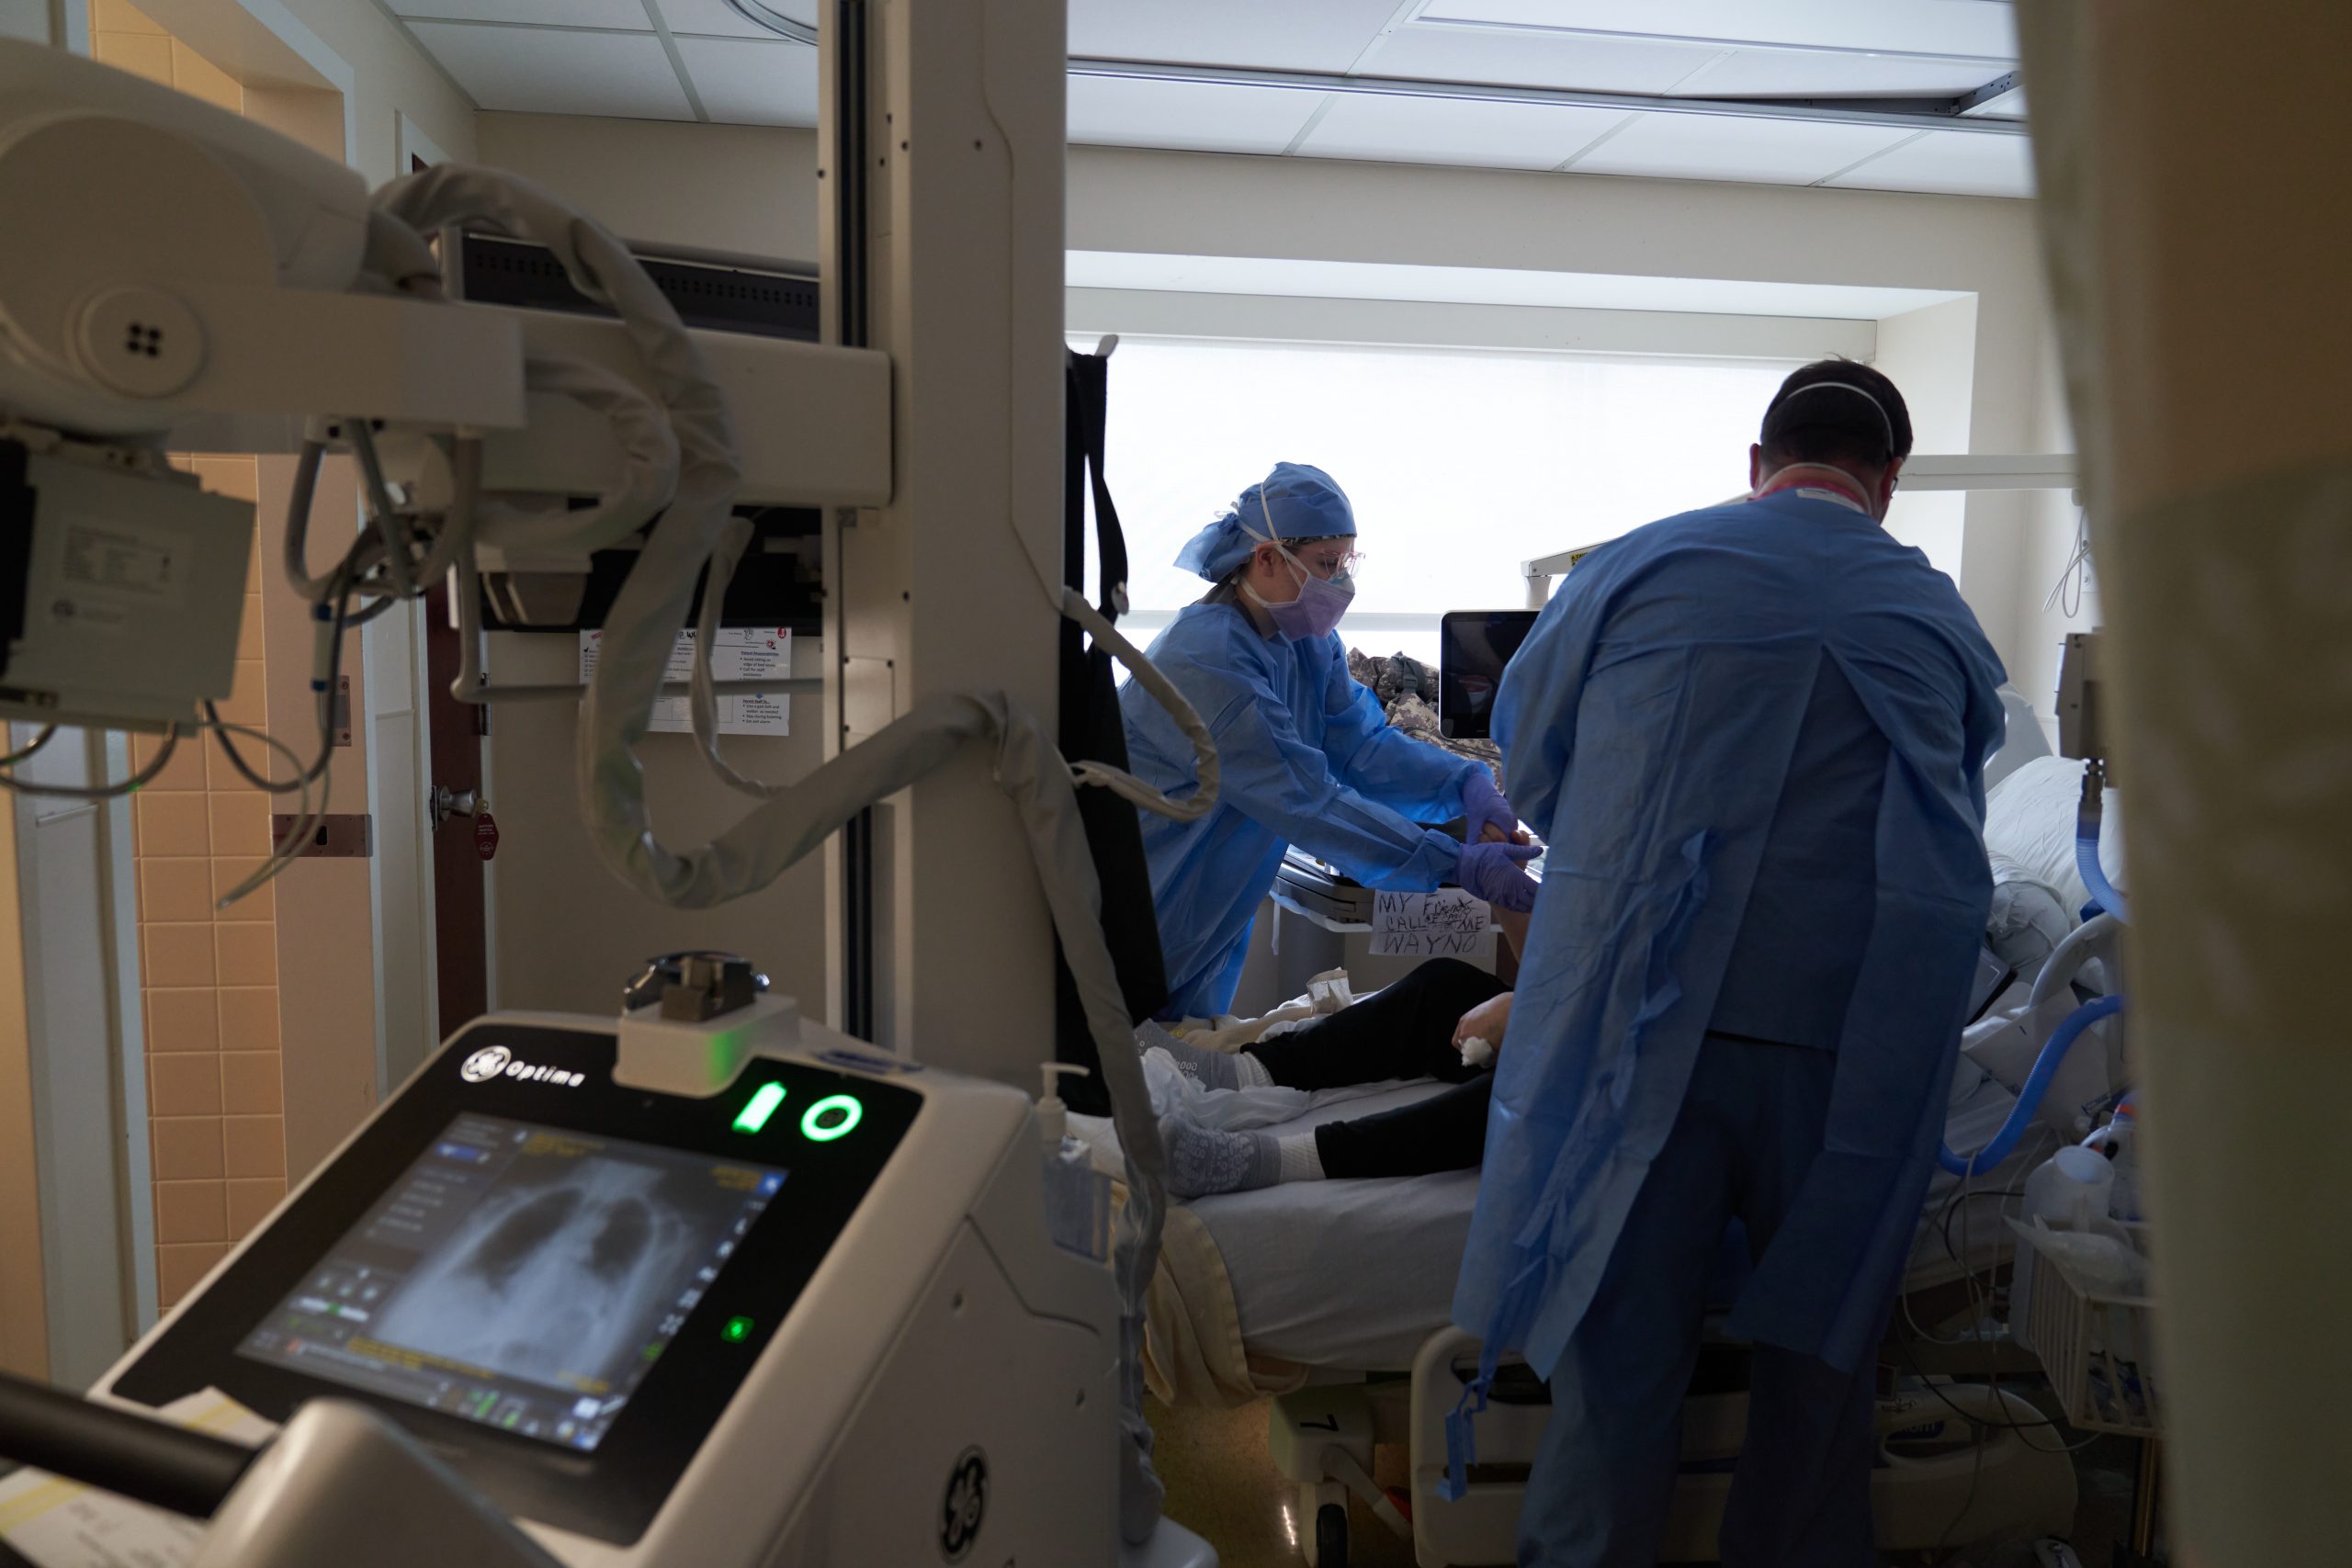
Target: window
[(1461, 463)]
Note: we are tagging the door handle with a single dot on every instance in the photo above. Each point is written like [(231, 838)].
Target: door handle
[(444, 803)]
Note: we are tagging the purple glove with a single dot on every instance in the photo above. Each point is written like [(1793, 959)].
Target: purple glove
[(1492, 872), (1482, 807)]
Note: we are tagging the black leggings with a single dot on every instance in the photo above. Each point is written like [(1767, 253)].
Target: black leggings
[(1406, 1031)]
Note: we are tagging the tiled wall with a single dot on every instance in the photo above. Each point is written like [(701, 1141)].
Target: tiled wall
[(126, 40), (210, 978)]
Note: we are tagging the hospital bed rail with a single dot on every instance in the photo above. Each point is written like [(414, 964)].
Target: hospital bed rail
[(1956, 1463)]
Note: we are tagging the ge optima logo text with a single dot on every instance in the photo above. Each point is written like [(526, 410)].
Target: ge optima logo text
[(497, 1061)]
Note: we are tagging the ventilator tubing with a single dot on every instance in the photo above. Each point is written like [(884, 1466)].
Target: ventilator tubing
[(2087, 825), (2094, 875), (2036, 1084)]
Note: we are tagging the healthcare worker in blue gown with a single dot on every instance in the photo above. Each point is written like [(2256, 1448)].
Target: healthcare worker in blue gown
[(1754, 737), (1307, 755)]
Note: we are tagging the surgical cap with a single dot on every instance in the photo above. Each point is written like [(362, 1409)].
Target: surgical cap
[(1304, 503)]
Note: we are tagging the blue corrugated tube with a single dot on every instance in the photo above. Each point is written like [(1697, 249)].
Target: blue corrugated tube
[(2086, 822), (2036, 1084), (2095, 876)]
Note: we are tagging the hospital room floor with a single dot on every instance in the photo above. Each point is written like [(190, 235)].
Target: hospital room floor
[(1222, 1486)]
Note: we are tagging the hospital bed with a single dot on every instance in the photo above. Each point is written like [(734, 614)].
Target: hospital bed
[(1334, 1299)]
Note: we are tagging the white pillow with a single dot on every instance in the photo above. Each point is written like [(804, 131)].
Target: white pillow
[(2029, 819), (2024, 740)]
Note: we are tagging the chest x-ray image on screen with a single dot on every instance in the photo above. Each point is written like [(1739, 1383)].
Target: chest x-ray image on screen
[(522, 1276)]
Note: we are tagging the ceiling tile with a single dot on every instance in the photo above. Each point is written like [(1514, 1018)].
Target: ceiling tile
[(1957, 162), (542, 71), (1204, 117), (1721, 147), (1451, 130), (1286, 35), (1532, 60), (1792, 73), (629, 15), (1928, 26), (717, 18), (747, 83)]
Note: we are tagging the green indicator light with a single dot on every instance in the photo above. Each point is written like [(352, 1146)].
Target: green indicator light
[(738, 1329), (760, 1106), (831, 1117)]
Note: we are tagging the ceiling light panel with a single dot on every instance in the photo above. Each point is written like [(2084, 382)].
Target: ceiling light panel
[(1722, 147), (717, 18), (1207, 117), (544, 70), (1284, 35), (1924, 27), (625, 14), (1953, 162), (745, 83), (1786, 74), (1533, 59), (1442, 131)]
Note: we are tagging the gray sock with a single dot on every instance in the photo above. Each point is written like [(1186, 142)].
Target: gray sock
[(1210, 1069), (1202, 1160), (1302, 1157)]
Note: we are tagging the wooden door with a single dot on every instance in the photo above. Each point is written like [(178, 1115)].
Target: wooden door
[(460, 926)]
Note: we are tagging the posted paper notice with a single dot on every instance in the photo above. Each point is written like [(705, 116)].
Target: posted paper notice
[(741, 653)]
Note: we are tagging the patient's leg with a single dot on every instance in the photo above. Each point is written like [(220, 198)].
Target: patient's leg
[(1404, 1032), (1445, 1132)]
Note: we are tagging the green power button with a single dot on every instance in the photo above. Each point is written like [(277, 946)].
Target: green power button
[(832, 1117), (738, 1329)]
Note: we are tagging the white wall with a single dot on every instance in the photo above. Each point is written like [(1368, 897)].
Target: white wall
[(2045, 537), (1930, 354), (726, 187), (391, 78)]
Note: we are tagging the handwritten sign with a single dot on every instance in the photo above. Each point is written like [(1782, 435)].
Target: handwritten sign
[(1450, 923), (741, 653)]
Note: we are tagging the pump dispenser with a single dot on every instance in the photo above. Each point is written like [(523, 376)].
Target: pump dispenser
[(1053, 1116), (1078, 1197)]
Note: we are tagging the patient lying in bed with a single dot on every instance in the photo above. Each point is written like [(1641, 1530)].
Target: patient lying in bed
[(1414, 1028)]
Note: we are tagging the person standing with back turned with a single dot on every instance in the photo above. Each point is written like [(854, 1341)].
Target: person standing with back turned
[(1753, 735)]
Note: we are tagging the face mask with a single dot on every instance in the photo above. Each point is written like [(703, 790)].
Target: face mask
[(1316, 611)]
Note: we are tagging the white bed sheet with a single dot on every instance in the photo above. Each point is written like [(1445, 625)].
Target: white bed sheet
[(1355, 1275)]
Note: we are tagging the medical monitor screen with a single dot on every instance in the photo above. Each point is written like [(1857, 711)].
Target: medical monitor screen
[(521, 1276), (1472, 648)]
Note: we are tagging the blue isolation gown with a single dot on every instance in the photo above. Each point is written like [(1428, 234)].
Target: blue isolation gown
[(1308, 759), (1647, 726)]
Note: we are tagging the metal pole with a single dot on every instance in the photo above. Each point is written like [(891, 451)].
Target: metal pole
[(851, 279)]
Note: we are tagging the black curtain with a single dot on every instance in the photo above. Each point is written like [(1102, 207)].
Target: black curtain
[(1092, 732)]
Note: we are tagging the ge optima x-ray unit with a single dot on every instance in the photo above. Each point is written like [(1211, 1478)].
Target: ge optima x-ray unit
[(811, 1318)]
